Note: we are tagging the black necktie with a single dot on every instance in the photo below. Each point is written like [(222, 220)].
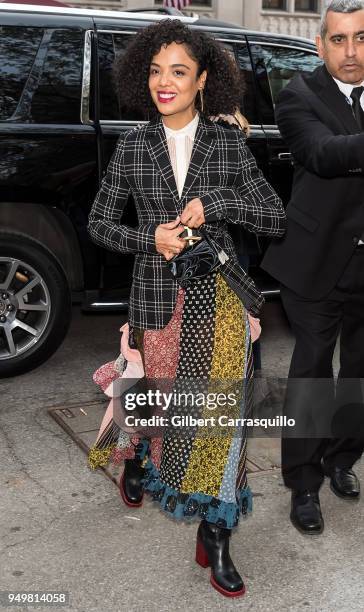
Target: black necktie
[(358, 112)]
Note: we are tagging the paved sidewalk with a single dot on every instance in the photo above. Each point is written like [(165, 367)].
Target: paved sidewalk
[(63, 527)]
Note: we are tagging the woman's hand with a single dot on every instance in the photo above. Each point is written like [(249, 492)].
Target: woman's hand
[(167, 241), (193, 215)]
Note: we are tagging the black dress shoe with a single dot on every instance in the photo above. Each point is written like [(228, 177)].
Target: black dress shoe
[(131, 488), (306, 512), (212, 550), (344, 483)]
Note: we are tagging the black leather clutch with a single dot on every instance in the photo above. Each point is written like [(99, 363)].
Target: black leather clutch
[(201, 257)]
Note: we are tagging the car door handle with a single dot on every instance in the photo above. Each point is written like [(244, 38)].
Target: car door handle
[(285, 156)]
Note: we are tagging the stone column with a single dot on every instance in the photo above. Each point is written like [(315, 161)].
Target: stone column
[(231, 11), (251, 14), (131, 4)]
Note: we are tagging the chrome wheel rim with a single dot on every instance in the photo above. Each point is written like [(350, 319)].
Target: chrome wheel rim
[(25, 307)]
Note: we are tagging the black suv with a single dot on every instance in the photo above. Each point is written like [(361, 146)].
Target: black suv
[(59, 121)]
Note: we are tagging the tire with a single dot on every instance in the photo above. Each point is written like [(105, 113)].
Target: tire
[(35, 304)]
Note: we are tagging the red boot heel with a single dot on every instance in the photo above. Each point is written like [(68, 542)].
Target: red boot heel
[(201, 554), (212, 550)]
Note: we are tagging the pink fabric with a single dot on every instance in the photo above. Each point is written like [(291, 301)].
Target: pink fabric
[(129, 354), (106, 375), (161, 347), (255, 327), (114, 383), (133, 372), (161, 354)]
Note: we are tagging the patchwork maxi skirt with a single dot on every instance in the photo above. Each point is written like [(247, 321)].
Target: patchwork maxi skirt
[(200, 474)]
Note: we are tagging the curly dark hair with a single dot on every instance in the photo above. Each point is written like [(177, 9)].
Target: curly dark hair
[(224, 85)]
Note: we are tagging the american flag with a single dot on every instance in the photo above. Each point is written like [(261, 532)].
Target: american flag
[(178, 4)]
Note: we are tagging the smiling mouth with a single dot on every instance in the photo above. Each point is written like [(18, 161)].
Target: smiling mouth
[(166, 96)]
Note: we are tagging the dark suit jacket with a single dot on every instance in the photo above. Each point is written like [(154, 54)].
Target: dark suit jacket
[(222, 172), (325, 216)]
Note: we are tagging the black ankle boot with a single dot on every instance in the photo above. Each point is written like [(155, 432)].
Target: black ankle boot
[(131, 489), (212, 550)]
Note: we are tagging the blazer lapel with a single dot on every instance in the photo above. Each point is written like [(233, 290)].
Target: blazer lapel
[(158, 149), (204, 144), (205, 141), (322, 83)]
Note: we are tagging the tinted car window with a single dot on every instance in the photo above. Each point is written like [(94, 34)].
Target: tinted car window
[(111, 46), (18, 49), (40, 75), (249, 105), (57, 98), (274, 68), (240, 56)]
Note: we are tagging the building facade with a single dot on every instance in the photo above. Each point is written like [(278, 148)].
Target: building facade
[(296, 17)]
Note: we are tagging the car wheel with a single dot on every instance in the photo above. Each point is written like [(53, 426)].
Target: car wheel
[(35, 304)]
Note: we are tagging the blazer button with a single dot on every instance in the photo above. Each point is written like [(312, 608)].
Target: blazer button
[(355, 240)]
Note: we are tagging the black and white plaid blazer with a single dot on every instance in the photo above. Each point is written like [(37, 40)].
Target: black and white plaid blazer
[(222, 173)]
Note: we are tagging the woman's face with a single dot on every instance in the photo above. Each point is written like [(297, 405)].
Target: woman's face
[(173, 83)]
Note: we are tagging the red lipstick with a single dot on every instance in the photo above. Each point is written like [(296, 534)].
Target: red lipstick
[(166, 96)]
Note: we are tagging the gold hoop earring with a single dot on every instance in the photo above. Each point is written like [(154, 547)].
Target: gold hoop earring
[(201, 99)]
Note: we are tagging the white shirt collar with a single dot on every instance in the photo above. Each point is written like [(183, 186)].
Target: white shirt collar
[(187, 130), (347, 89)]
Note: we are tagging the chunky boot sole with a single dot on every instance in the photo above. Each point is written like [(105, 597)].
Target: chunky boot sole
[(203, 560), (126, 501)]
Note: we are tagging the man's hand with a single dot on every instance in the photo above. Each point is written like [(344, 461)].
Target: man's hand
[(167, 241), (193, 215)]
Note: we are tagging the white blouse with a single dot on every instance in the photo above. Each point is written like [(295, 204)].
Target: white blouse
[(180, 145)]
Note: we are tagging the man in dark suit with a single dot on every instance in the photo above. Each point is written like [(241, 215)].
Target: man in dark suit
[(320, 264)]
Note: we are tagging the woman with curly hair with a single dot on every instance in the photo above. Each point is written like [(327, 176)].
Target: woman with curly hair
[(183, 170)]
